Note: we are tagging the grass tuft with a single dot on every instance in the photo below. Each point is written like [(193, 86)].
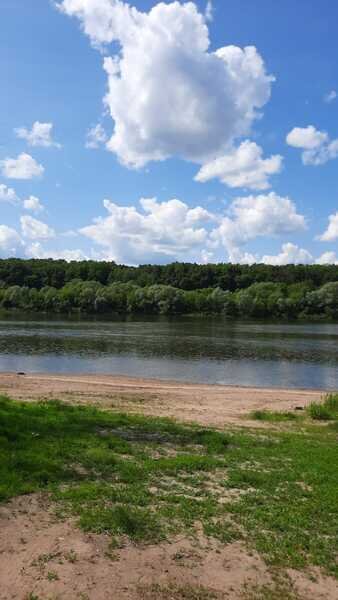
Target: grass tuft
[(175, 592), (273, 417), (326, 411)]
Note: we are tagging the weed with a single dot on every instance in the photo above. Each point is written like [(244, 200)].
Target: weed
[(71, 556), (175, 592), (271, 417), (325, 411)]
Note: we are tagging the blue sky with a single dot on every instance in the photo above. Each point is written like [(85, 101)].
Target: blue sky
[(175, 109)]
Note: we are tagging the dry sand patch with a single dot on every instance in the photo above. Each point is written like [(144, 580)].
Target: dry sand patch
[(210, 405)]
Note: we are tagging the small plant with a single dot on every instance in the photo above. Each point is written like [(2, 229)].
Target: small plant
[(52, 576), (266, 415), (331, 402), (71, 556), (319, 412), (326, 411), (174, 592)]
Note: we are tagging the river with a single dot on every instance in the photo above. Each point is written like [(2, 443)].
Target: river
[(196, 349)]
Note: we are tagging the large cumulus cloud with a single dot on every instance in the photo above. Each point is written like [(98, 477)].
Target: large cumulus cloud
[(168, 94)]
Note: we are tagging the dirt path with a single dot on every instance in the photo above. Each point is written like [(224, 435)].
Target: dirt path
[(206, 404)]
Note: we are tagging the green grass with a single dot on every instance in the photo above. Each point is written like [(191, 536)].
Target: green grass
[(274, 417), (148, 479), (325, 411)]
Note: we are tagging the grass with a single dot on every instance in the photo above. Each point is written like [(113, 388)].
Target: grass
[(325, 411), (281, 588), (147, 479), (175, 592), (274, 417)]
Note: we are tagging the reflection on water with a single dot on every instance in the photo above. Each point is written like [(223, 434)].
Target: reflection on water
[(204, 349)]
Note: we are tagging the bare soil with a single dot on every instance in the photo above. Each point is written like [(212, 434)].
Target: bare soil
[(212, 405), (47, 558)]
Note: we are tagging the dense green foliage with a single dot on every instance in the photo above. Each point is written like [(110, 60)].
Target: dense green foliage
[(259, 291), (152, 478), (186, 276), (260, 300)]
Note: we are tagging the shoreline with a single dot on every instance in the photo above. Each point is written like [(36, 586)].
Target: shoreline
[(206, 404)]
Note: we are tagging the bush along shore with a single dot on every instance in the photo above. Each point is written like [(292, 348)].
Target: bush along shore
[(260, 300), (257, 291)]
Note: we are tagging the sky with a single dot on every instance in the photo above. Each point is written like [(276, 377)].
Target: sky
[(149, 132)]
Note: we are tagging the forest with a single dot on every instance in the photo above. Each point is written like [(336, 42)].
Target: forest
[(243, 291)]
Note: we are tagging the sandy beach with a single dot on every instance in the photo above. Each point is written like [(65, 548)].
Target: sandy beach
[(213, 405)]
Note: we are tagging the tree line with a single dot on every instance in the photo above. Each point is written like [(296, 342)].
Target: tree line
[(259, 300), (39, 274)]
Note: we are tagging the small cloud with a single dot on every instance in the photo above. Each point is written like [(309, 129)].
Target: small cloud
[(34, 229), (10, 241), (33, 203), (330, 96), (328, 258), (242, 167), (331, 233), (96, 136), (36, 250), (39, 135), (317, 147), (290, 254), (8, 195), (209, 11), (22, 167), (70, 233)]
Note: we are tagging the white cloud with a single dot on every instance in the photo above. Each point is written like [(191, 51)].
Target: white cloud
[(36, 250), (33, 203), (22, 167), (10, 242), (158, 232), (96, 136), (168, 94), (242, 167), (166, 231), (290, 254), (8, 194), (331, 233), (39, 135), (316, 145), (33, 229), (330, 96), (239, 256), (256, 216), (209, 11), (308, 138), (327, 258)]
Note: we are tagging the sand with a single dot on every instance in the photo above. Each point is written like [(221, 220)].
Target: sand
[(212, 405), (45, 558)]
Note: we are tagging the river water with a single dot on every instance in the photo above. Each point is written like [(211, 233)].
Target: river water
[(196, 349)]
